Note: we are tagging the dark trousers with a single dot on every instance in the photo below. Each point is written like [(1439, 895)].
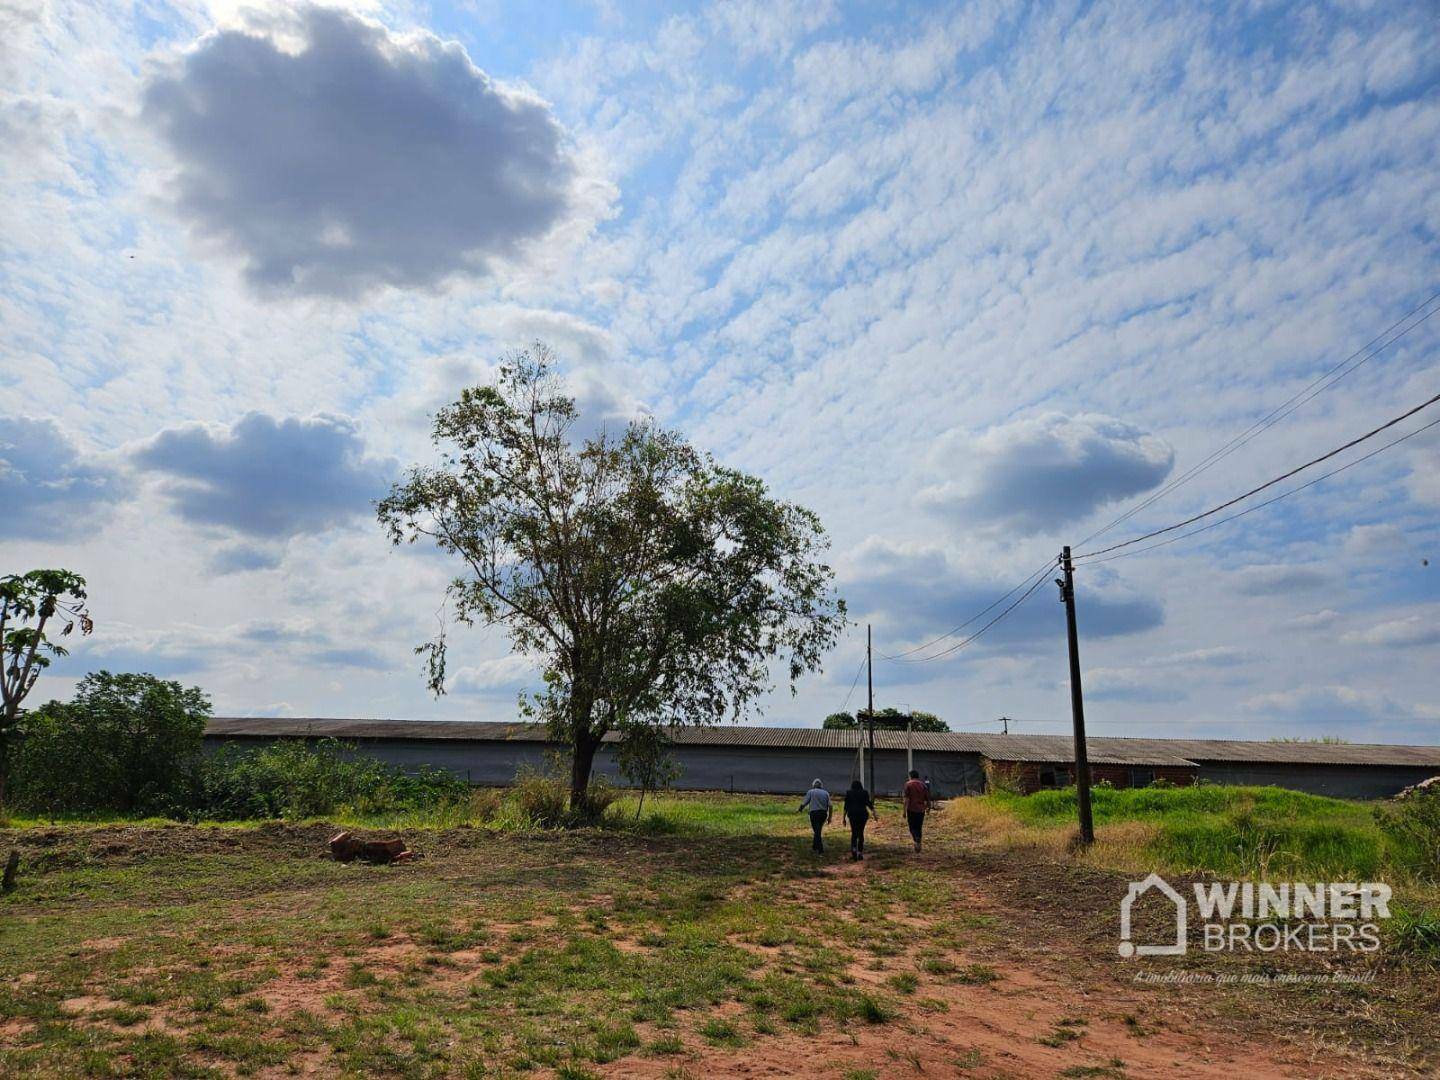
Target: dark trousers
[(857, 837), (916, 821), (817, 822)]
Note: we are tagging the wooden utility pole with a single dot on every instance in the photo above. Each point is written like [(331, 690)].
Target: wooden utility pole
[(870, 694), (1077, 703)]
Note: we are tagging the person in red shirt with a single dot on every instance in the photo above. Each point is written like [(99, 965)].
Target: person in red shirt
[(917, 804)]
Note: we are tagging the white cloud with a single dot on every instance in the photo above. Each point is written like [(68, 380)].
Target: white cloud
[(497, 676), (1279, 579), (1409, 632), (48, 488), (1034, 475), (267, 478), (356, 158)]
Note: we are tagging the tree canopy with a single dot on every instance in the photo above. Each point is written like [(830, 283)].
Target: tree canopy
[(887, 719), (652, 586), (124, 742), (32, 607)]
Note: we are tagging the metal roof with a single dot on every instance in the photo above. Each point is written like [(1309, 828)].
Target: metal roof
[(1030, 748)]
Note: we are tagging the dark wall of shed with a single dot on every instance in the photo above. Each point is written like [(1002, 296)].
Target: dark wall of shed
[(705, 768), (1338, 781)]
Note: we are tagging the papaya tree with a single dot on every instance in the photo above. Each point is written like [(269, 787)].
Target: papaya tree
[(35, 608)]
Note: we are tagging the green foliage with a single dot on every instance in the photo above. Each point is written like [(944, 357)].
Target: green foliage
[(125, 742), (541, 799), (31, 606), (1002, 778), (1412, 826), (294, 779), (887, 719), (643, 758), (1241, 831), (1414, 932), (654, 586)]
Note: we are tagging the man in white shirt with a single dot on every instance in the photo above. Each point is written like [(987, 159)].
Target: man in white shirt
[(817, 801)]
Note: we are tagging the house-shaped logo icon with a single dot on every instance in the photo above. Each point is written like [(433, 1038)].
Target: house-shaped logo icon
[(1138, 889)]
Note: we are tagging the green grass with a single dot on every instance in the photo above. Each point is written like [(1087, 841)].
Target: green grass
[(1240, 831), (672, 813)]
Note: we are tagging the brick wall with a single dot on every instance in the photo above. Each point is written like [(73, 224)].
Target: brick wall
[(1028, 773)]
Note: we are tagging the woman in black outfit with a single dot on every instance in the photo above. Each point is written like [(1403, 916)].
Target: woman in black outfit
[(858, 809)]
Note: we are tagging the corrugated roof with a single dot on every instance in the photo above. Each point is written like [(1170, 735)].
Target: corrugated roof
[(1031, 748)]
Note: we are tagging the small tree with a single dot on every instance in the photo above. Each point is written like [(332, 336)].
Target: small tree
[(643, 758), (31, 607), (124, 742), (887, 719), (653, 586)]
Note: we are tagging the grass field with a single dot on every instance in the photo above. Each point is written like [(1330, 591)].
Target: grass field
[(706, 941), (1239, 831)]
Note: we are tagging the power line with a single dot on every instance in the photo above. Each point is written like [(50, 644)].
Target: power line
[(1268, 502), (853, 683), (961, 644), (1366, 353), (1044, 568), (1268, 484)]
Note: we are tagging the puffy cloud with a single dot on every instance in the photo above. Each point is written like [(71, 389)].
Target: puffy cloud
[(1314, 620), (48, 489), (502, 674), (1340, 704), (1126, 684), (1279, 579), (1409, 632), (357, 159), (918, 592), (243, 558), (267, 478), (1033, 475)]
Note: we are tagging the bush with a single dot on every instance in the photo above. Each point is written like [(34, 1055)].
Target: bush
[(1412, 828), (293, 779), (540, 799), (125, 742)]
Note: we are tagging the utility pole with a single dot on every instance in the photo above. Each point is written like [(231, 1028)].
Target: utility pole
[(1077, 702), (870, 694)]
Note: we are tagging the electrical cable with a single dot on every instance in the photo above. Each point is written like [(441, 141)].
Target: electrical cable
[(1044, 568), (961, 644), (1260, 506), (1268, 484), (1283, 410)]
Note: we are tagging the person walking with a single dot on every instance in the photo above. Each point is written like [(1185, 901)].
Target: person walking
[(817, 801), (859, 807), (917, 805)]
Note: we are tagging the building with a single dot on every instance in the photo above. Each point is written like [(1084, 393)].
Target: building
[(770, 759)]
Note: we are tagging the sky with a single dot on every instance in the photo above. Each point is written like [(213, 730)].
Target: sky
[(968, 280)]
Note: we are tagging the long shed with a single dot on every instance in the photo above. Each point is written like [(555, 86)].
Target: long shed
[(774, 759)]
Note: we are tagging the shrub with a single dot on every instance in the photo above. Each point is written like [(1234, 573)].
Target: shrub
[(1412, 828), (125, 742), (293, 779), (1003, 778), (540, 798)]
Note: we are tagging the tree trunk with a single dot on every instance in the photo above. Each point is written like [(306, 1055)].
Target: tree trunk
[(581, 767), (7, 732)]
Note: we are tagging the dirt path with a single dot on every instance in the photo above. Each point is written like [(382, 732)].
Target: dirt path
[(1020, 1020)]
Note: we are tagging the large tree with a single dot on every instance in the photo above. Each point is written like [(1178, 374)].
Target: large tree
[(653, 586), (35, 608)]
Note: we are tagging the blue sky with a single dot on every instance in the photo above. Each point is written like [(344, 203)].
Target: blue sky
[(968, 280)]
